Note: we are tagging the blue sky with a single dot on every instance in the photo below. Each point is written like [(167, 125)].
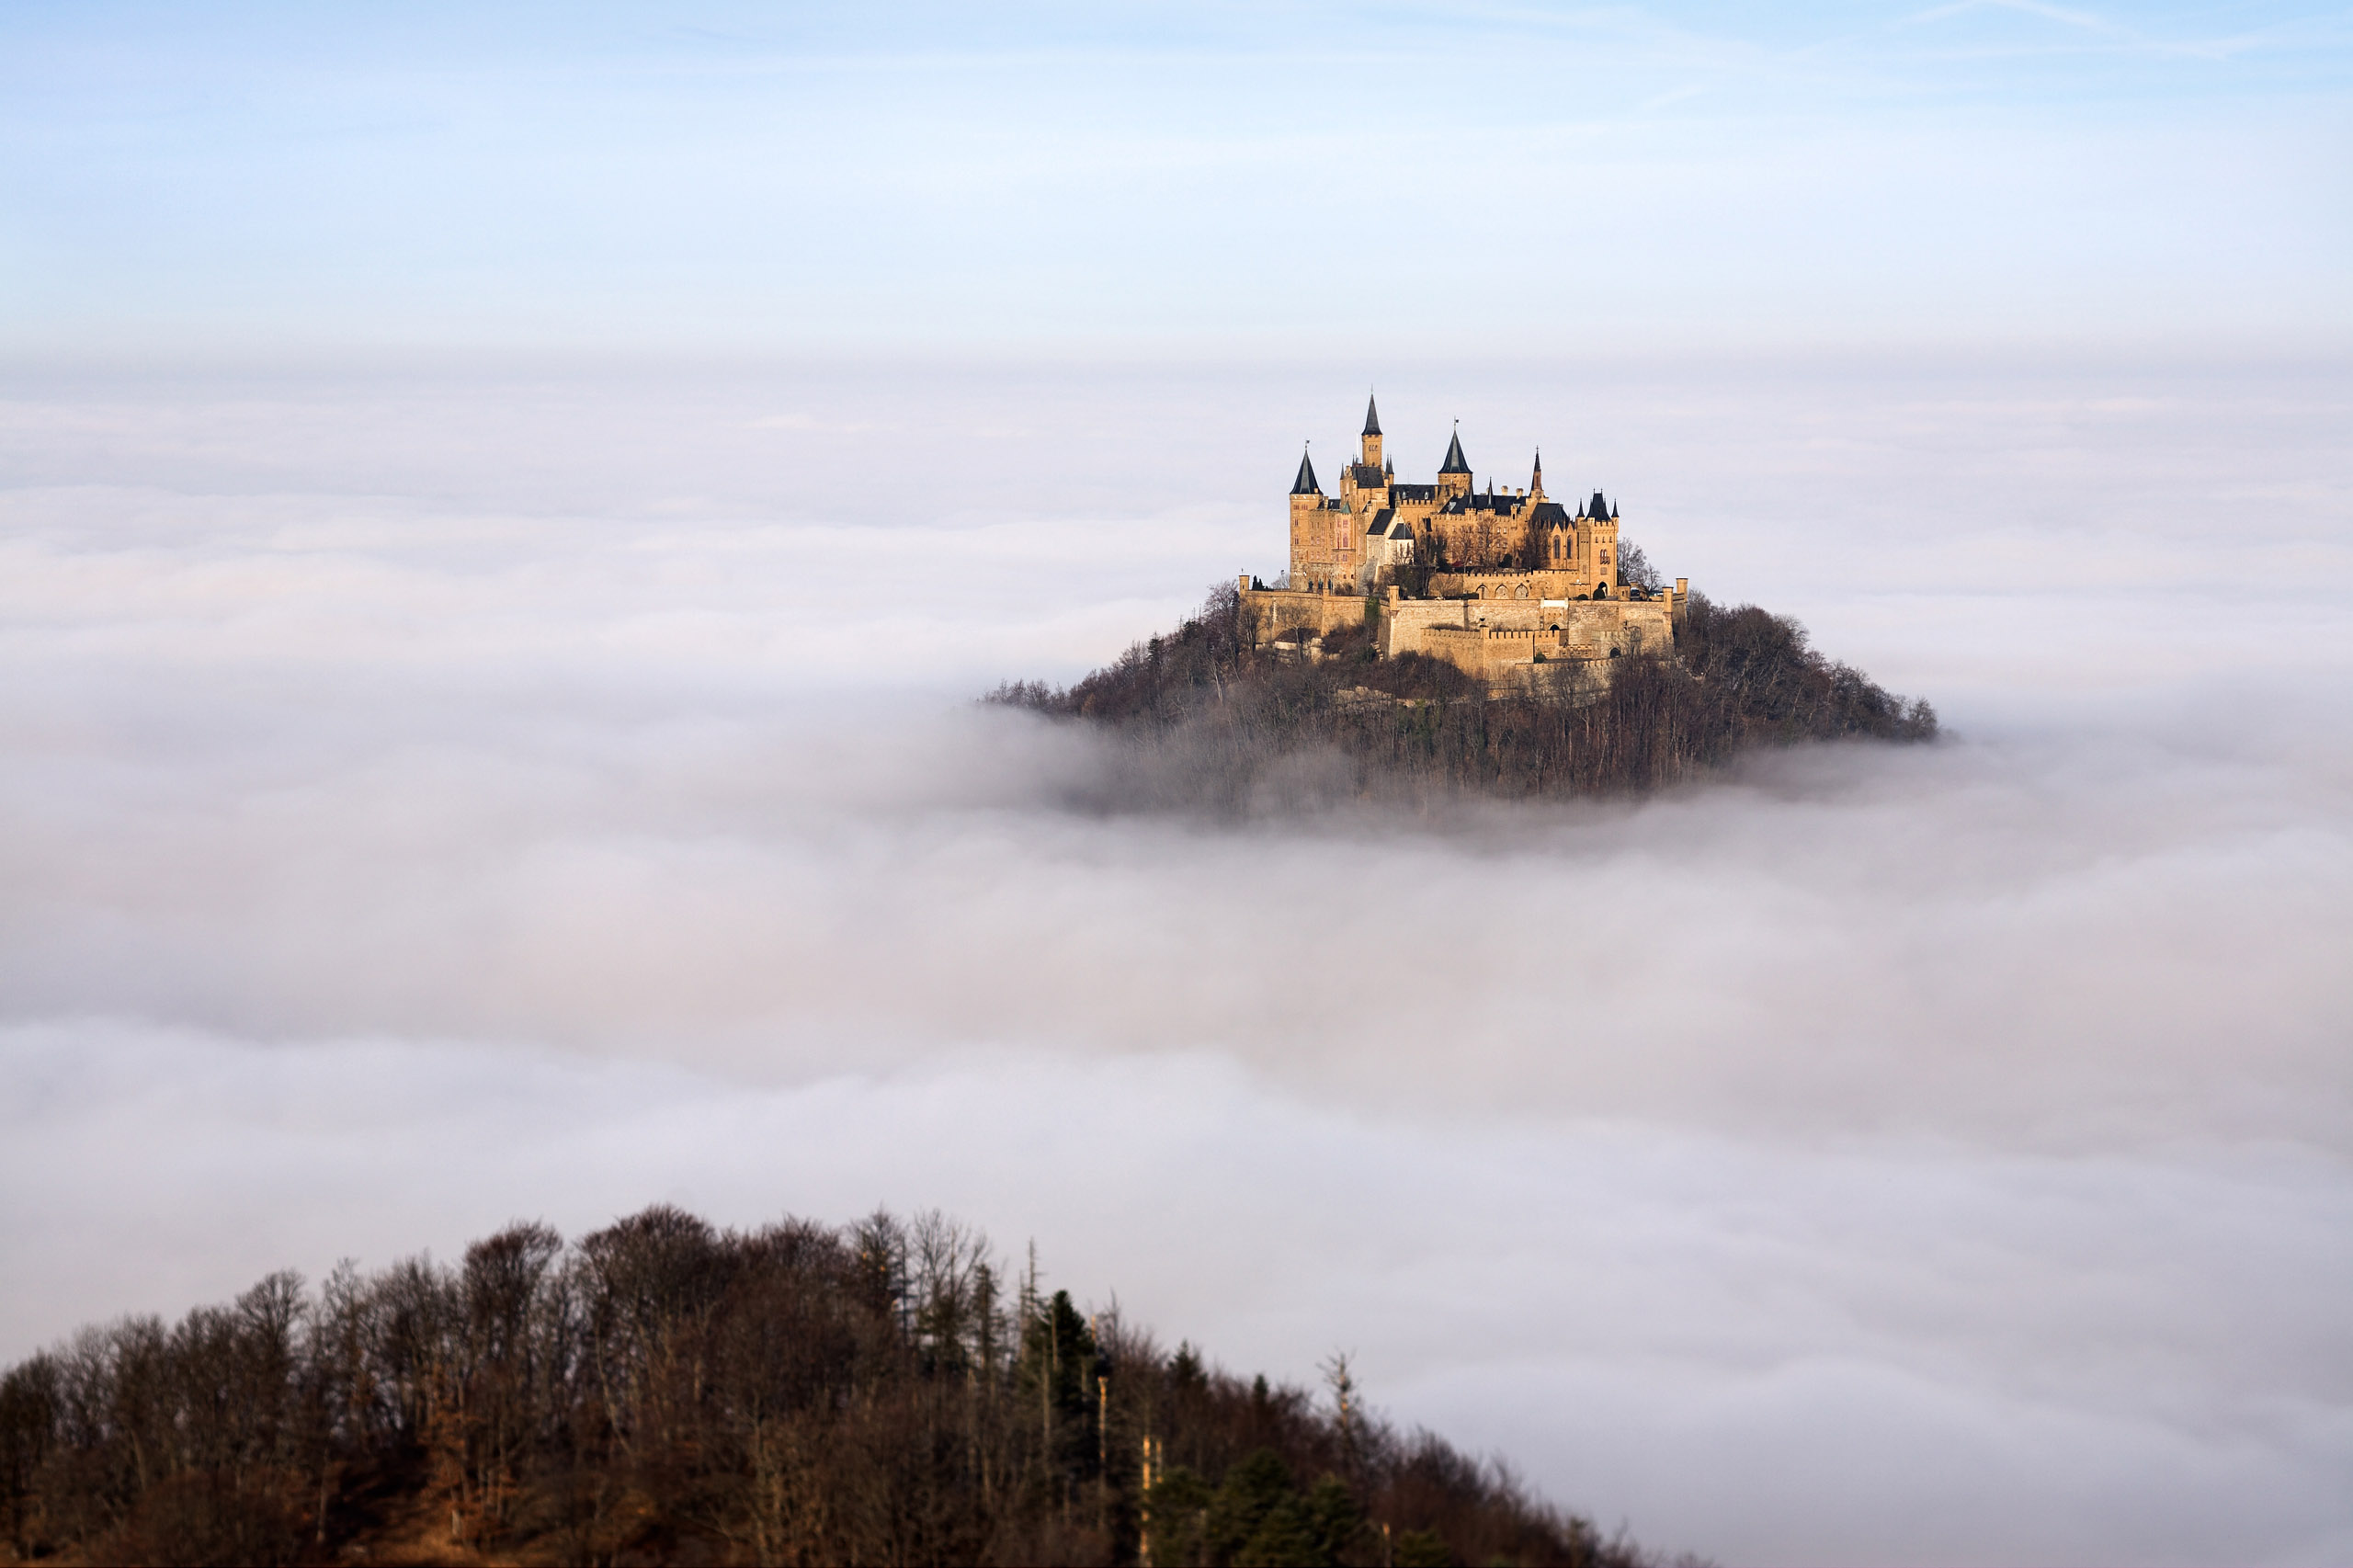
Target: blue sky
[(1159, 178)]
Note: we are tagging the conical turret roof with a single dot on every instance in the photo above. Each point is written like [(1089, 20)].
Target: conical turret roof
[(1371, 416), (1305, 484), (1455, 461)]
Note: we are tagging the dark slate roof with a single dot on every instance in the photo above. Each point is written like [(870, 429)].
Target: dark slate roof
[(1414, 491), (1371, 416), (1305, 484), (1455, 461), (1401, 529), (1597, 508), (1379, 524), (1334, 503), (1367, 477), (1551, 514)]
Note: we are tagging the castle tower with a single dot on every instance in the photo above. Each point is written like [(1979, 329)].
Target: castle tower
[(1370, 456), (1536, 481), (1605, 544), (1454, 473), (1306, 503)]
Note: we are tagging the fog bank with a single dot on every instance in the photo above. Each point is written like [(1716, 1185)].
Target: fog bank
[(427, 801)]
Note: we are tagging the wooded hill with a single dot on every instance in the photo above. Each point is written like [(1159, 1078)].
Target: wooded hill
[(1219, 723), (662, 1391)]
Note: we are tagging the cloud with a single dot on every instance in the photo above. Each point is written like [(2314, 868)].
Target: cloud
[(1846, 1348), (1940, 1153)]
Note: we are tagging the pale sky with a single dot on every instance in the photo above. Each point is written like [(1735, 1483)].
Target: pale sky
[(255, 178)]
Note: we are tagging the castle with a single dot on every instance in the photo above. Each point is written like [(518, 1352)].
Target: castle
[(1494, 582)]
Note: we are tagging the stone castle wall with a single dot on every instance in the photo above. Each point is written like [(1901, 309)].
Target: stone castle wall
[(1274, 611), (1589, 629), (1487, 638)]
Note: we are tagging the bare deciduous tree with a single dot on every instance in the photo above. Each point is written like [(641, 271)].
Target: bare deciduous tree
[(794, 1394)]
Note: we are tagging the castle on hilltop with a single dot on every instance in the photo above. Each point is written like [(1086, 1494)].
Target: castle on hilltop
[(1488, 580)]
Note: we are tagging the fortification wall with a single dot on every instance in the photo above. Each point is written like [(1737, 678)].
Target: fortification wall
[(1486, 638), (1573, 629), (1403, 623), (1486, 651), (1544, 585), (1509, 660), (1273, 611), (1594, 629)]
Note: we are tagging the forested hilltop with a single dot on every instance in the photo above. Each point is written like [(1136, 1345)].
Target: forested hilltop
[(1220, 721), (662, 1392)]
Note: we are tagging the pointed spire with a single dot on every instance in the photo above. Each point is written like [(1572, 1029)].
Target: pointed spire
[(1305, 484), (1536, 481), (1455, 461), (1371, 416)]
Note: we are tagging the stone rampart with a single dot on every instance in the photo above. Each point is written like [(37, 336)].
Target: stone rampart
[(1591, 629), (1485, 652), (1596, 628), (1486, 637), (1546, 584), (1273, 611)]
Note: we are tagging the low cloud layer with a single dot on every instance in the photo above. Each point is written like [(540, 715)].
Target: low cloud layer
[(1932, 1155)]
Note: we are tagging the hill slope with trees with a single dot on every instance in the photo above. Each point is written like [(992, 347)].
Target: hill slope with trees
[(1219, 720), (662, 1391)]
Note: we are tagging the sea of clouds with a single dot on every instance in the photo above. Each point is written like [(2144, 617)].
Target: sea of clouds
[(443, 794)]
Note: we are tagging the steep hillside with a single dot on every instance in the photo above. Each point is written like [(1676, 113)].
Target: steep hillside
[(661, 1392), (1221, 722)]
